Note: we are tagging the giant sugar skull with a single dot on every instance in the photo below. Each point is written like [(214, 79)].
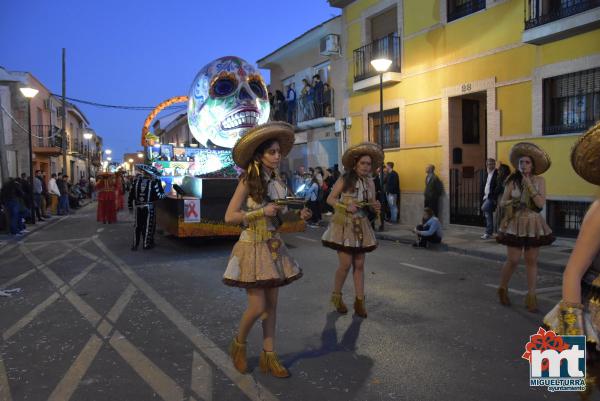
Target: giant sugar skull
[(228, 97)]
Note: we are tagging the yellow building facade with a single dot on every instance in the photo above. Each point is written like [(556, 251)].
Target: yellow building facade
[(468, 80)]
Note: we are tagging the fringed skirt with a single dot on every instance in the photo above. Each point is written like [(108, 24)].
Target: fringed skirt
[(353, 235), (526, 229), (260, 264)]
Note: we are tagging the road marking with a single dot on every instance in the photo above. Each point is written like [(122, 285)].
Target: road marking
[(17, 279), (306, 238), (4, 388), (68, 384), (119, 306), (202, 378), (246, 383), (100, 230), (425, 269), (549, 289), (25, 320), (52, 224), (7, 248), (166, 387)]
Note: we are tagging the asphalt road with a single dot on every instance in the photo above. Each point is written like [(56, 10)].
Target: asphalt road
[(96, 321)]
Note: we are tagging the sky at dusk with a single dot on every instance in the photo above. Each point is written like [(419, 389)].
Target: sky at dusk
[(139, 53)]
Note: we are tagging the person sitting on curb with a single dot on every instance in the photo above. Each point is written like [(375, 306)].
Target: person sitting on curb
[(428, 232)]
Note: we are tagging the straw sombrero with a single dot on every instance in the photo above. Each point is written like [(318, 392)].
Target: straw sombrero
[(353, 153), (585, 156), (244, 149), (148, 169), (538, 155)]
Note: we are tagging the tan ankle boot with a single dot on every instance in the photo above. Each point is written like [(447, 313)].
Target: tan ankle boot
[(531, 302), (503, 296), (237, 352), (359, 307), (269, 363), (338, 303)]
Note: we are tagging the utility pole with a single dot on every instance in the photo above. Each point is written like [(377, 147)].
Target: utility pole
[(63, 116), (3, 162)]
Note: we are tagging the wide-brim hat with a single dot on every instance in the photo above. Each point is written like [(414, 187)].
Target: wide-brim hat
[(353, 153), (244, 149), (148, 169), (585, 156), (540, 158)]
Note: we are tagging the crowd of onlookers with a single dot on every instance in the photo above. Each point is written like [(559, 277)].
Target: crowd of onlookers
[(313, 101), (24, 201)]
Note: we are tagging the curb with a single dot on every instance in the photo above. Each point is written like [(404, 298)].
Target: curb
[(551, 266)]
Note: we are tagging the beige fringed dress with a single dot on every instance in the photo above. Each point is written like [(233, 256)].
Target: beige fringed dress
[(260, 258), (522, 225), (352, 233), (590, 298)]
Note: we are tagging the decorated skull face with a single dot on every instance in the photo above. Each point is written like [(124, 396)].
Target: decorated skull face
[(228, 97)]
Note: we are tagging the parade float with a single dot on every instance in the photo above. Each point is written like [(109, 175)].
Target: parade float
[(227, 98)]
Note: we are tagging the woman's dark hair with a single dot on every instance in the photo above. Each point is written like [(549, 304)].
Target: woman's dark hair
[(305, 81), (257, 186), (351, 177), (319, 169), (517, 176), (503, 172)]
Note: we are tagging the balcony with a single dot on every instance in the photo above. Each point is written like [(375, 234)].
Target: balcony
[(365, 76), (339, 3), (307, 111), (551, 20), (46, 140)]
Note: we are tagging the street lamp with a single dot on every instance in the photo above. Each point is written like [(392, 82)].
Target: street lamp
[(140, 155), (87, 136), (30, 93), (109, 158), (108, 151), (381, 65)]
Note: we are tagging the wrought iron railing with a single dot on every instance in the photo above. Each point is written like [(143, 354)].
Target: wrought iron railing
[(46, 136), (466, 197), (386, 47), (565, 217), (460, 8), (540, 12), (309, 106)]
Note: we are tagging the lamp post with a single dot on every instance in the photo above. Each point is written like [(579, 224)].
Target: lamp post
[(381, 65), (30, 93)]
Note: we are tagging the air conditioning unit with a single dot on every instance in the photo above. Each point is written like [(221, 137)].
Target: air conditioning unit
[(330, 44)]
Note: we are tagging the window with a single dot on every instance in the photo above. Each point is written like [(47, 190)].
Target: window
[(565, 217), (571, 102), (470, 121), (391, 128), (384, 24), (461, 8)]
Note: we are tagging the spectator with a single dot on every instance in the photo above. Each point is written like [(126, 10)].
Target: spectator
[(392, 191), (318, 95), (298, 179), (54, 192), (489, 198), (291, 103), (26, 197), (318, 172), (311, 197), (45, 205), (272, 104), (37, 195), (378, 221), (63, 200), (428, 232), (433, 189), (328, 182), (306, 101), (9, 196), (327, 100), (280, 110), (336, 172), (503, 174)]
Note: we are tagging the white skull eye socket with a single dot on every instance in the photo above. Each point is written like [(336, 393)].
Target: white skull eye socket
[(223, 85), (256, 84)]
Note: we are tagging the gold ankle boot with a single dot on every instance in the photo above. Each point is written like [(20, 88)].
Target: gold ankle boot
[(531, 302), (269, 363), (503, 295), (237, 352), (359, 307), (338, 303)]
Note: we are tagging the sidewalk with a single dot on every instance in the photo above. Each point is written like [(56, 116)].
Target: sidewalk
[(466, 240)]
